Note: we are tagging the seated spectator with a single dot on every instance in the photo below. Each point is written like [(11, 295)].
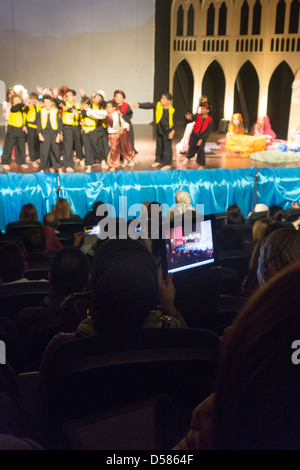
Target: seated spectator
[(91, 218), (259, 232), (62, 209), (28, 213), (280, 249), (183, 204), (65, 308), (256, 401), (34, 243), (50, 224), (128, 292), (12, 264), (277, 213)]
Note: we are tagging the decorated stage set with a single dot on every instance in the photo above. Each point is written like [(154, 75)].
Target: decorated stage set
[(215, 188)]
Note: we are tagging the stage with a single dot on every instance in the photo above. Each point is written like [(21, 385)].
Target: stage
[(227, 178)]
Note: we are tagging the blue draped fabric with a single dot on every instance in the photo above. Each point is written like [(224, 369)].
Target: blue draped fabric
[(216, 189)]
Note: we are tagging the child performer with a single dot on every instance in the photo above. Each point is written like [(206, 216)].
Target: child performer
[(71, 132), (99, 103), (31, 112), (127, 113), (199, 136), (183, 145), (15, 134), (236, 125), (90, 135), (49, 129), (118, 137), (7, 105), (165, 130), (263, 128)]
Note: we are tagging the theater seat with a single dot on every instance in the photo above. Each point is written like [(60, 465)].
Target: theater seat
[(19, 228), (88, 376), (19, 295)]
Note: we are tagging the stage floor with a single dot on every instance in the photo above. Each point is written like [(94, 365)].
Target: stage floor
[(145, 146)]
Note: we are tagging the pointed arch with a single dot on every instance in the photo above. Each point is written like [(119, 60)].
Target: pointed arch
[(183, 90), (190, 21), (294, 17), (210, 20), (256, 23), (180, 18), (213, 86), (244, 18), (246, 92), (222, 20), (280, 17), (279, 98)]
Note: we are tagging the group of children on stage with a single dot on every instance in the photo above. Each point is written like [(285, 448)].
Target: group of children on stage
[(55, 125)]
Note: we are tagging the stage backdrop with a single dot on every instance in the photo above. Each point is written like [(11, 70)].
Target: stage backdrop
[(96, 44), (216, 189)]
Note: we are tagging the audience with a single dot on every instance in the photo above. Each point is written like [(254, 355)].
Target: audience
[(143, 300), (12, 264), (124, 289), (255, 405)]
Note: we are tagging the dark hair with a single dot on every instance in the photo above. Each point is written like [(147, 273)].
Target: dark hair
[(34, 241), (86, 100), (71, 91), (235, 217), (112, 102), (233, 208), (168, 95), (48, 97), (69, 271), (12, 263), (33, 95), (277, 213), (28, 212)]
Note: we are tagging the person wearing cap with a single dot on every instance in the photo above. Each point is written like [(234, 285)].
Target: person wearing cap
[(200, 133)]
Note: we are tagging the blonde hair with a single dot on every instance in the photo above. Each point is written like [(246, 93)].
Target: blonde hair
[(63, 209), (259, 228)]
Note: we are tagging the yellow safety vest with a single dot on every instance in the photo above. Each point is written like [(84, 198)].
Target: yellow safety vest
[(68, 117), (159, 113), (89, 124), (17, 119), (31, 116), (53, 118)]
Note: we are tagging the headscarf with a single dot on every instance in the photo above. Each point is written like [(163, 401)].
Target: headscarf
[(267, 128), (124, 281)]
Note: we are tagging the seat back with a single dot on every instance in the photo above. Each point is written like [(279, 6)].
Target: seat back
[(70, 226), (197, 293), (19, 228), (96, 374), (19, 295)]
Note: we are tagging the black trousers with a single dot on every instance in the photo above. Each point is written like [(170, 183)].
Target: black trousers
[(91, 144), (33, 144), (103, 142), (72, 141), (14, 137), (196, 149), (164, 151), (50, 152)]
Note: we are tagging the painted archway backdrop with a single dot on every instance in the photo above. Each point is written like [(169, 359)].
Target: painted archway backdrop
[(216, 189)]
